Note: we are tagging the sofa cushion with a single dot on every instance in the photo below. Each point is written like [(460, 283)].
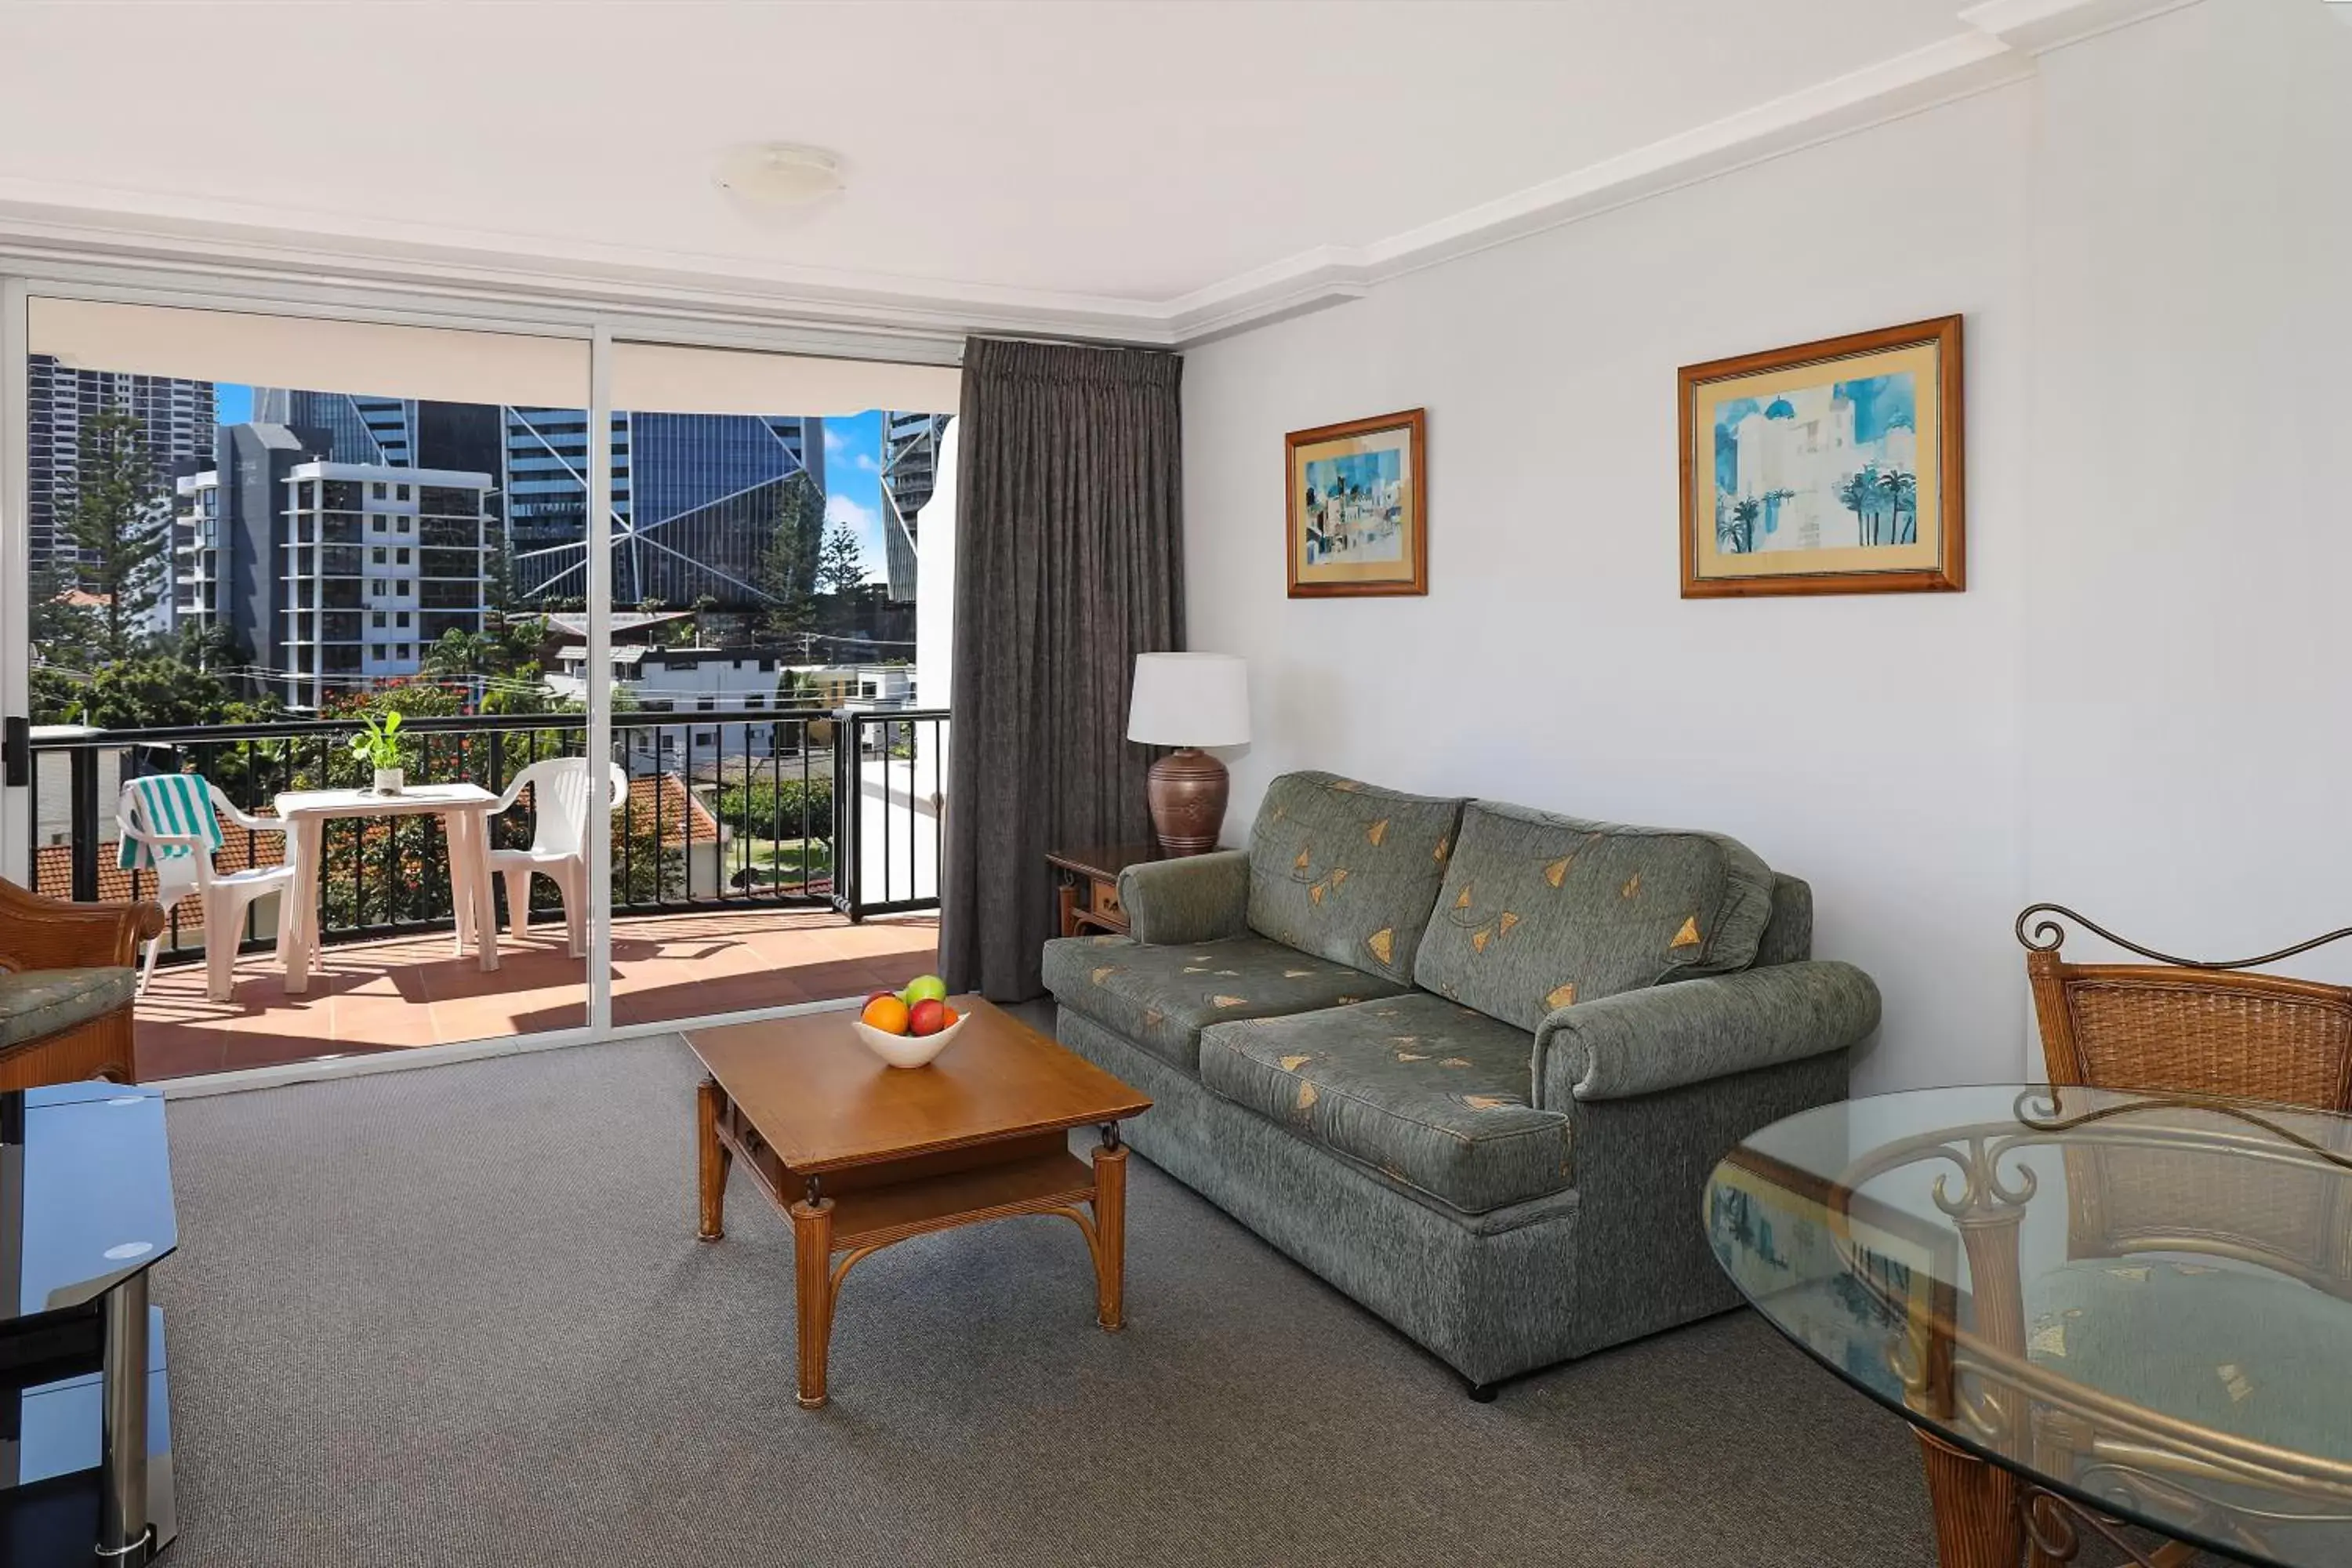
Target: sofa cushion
[(1161, 997), (1539, 911), (1431, 1095), (39, 1003), (1348, 871)]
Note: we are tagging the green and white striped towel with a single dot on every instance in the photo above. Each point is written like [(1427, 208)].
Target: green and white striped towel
[(169, 803)]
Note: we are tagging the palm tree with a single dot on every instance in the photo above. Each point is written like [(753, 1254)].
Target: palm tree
[(1901, 493), (1739, 539), (1772, 503), (1856, 494)]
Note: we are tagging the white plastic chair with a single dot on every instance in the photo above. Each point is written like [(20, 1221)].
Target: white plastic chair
[(558, 850), (224, 895)]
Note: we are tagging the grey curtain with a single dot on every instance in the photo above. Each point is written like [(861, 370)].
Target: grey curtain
[(1069, 561)]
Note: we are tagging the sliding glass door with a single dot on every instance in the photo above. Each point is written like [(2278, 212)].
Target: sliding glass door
[(270, 665), (519, 680), (770, 686)]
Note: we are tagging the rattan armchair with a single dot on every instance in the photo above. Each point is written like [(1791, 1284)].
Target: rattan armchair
[(40, 934)]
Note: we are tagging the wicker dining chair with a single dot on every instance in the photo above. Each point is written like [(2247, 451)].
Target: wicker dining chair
[(2176, 1027), (2179, 1026)]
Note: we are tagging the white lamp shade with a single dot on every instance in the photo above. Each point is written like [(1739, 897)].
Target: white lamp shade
[(1190, 699)]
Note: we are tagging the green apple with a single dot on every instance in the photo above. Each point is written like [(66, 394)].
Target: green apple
[(926, 988)]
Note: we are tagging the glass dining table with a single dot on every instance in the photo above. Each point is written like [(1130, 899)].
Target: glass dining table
[(2119, 1323)]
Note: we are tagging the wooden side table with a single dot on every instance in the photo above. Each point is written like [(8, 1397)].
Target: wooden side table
[(1088, 884)]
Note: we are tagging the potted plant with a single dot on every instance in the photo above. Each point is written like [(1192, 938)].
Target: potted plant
[(378, 745)]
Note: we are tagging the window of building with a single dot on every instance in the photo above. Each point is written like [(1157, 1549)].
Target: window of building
[(403, 492), (378, 556), (378, 620), (404, 588), (404, 557), (377, 491), (377, 521), (705, 704), (404, 619), (407, 650), (403, 524)]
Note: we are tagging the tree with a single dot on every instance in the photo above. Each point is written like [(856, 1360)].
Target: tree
[(461, 655), (787, 574), (1739, 539), (498, 570), (841, 569), (60, 631), (118, 522), (1857, 495), (1901, 493)]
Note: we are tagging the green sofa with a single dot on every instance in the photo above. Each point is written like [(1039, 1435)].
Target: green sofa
[(1470, 1063)]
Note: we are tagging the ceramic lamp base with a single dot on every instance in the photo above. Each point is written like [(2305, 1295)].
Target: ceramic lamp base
[(1187, 791)]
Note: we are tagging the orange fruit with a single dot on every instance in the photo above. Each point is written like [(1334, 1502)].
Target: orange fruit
[(887, 1014), (947, 1015)]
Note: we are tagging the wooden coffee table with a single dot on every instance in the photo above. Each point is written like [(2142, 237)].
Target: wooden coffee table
[(859, 1154)]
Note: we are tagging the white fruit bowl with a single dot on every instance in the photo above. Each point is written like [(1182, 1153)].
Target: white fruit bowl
[(906, 1050)]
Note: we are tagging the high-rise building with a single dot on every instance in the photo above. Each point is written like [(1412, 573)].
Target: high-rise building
[(695, 495), (176, 414), (910, 472), (331, 575), (393, 432), (695, 500), (228, 566)]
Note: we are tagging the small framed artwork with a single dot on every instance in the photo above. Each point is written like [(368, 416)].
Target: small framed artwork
[(1359, 519), (1829, 468)]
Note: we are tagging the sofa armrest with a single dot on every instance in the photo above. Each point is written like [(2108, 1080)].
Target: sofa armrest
[(1639, 1042), (1196, 898)]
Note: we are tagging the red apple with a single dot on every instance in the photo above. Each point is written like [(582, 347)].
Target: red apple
[(928, 1016)]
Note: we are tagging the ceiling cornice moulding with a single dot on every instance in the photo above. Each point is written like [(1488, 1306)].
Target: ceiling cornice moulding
[(2037, 26), (43, 226)]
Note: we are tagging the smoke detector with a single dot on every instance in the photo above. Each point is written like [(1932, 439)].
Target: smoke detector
[(779, 175)]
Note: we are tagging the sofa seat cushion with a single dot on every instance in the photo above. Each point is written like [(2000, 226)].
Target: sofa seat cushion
[(1162, 997), (1431, 1095), (1348, 871), (39, 1003), (1541, 911)]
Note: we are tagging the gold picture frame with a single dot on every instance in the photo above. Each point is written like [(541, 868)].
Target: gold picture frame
[(1834, 467), (1358, 522)]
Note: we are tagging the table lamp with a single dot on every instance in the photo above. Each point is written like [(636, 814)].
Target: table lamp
[(1189, 701)]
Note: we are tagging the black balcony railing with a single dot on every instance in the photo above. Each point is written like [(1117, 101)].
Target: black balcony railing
[(726, 807)]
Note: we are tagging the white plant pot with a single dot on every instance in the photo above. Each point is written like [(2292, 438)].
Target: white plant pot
[(388, 781)]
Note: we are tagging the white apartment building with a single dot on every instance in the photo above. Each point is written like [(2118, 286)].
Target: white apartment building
[(377, 564), (690, 681)]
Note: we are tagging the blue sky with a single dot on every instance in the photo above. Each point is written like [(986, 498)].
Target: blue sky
[(853, 481), (853, 468)]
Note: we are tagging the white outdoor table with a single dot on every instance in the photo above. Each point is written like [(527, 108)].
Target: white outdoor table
[(464, 810)]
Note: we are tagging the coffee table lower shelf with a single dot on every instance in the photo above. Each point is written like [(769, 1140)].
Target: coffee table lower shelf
[(854, 1212)]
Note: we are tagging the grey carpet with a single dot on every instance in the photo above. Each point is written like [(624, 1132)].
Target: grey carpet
[(458, 1315)]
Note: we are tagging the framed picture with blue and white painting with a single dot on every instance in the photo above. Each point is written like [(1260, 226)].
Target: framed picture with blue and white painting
[(1829, 468), (1359, 519)]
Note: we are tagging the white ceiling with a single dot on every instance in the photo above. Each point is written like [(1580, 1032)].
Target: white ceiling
[(1125, 157)]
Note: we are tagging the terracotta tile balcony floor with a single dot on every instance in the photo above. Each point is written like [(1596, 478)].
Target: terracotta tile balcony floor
[(414, 991)]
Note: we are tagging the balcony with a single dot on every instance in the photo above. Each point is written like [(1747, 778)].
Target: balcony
[(736, 883)]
